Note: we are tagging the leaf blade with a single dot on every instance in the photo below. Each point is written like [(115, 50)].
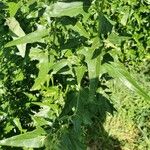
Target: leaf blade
[(29, 38), (117, 70), (16, 32), (60, 9), (33, 139)]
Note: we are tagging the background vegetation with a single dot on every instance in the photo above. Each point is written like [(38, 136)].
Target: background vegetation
[(75, 74)]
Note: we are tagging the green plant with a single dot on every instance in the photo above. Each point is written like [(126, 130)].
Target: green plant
[(56, 66), (131, 122)]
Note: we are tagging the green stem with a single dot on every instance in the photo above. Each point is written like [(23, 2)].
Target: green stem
[(94, 65)]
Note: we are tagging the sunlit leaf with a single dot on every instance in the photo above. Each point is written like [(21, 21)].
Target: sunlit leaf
[(42, 76), (80, 29), (18, 124), (16, 32), (59, 65), (13, 8), (43, 66), (125, 17), (39, 121), (29, 38), (59, 9), (80, 73), (34, 139), (118, 71)]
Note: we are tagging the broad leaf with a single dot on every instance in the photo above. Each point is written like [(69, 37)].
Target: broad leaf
[(34, 139), (42, 76), (59, 9), (118, 71), (80, 73), (43, 66), (80, 29), (125, 16), (18, 124), (13, 8), (29, 38), (39, 121), (105, 25), (16, 32), (59, 65)]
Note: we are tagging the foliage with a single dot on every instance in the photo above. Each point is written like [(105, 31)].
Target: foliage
[(131, 121), (55, 57)]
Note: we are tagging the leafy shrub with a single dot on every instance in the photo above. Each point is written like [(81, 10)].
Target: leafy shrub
[(55, 58)]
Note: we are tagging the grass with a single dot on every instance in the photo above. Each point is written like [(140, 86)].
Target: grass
[(131, 123)]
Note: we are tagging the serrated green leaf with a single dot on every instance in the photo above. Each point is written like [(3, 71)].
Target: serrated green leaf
[(43, 66), (29, 38), (19, 76), (39, 121), (80, 73), (59, 9), (51, 91), (13, 8), (95, 43), (80, 29), (43, 112), (125, 17), (105, 25), (18, 124), (14, 26), (116, 39), (42, 76), (38, 54), (59, 65), (34, 139)]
